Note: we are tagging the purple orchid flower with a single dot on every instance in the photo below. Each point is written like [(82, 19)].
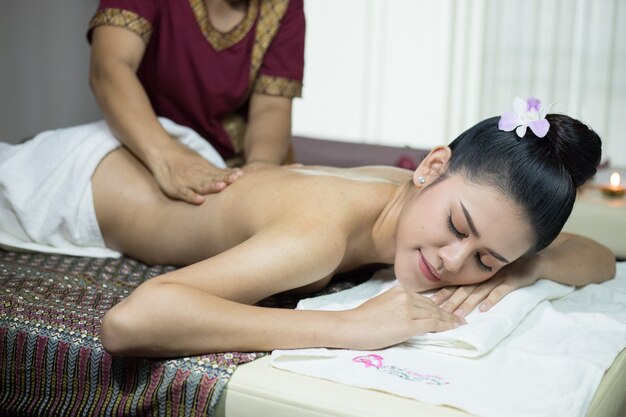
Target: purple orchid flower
[(526, 114)]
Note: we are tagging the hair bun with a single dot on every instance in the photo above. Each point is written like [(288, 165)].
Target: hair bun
[(577, 146), (540, 174)]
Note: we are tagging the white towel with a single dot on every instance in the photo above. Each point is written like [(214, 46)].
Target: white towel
[(46, 203), (479, 336), (549, 365)]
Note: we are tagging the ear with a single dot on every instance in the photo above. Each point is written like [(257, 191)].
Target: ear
[(433, 165)]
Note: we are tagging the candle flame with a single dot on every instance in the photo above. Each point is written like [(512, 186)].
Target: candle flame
[(615, 179)]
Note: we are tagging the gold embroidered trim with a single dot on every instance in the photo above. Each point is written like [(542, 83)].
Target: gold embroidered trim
[(236, 161), (124, 19), (219, 40), (277, 86), (235, 127), (271, 12), (270, 15)]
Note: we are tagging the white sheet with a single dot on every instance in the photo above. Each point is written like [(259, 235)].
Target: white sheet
[(549, 365), (46, 203)]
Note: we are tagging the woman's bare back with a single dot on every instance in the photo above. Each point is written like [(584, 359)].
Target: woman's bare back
[(136, 218)]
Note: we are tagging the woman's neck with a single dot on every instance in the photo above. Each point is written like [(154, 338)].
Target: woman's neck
[(384, 229)]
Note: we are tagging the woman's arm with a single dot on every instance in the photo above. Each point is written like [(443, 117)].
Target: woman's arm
[(205, 307), (181, 173), (570, 259), (574, 260), (268, 133)]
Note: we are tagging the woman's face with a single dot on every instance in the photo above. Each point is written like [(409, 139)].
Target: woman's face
[(456, 233)]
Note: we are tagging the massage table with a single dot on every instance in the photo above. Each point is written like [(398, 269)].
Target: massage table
[(51, 358), (257, 389), (51, 304)]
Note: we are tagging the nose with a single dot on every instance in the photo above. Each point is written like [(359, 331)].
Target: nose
[(453, 256)]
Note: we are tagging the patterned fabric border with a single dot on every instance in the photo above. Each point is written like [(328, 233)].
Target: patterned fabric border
[(51, 359), (124, 19), (270, 15), (277, 86), (235, 127), (52, 362), (217, 39)]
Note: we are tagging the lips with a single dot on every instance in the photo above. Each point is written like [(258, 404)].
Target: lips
[(426, 269)]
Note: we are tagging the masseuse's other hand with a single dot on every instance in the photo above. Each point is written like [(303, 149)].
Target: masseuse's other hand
[(462, 300), (395, 316), (182, 174)]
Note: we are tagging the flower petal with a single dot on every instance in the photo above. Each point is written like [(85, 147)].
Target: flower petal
[(521, 130), (509, 121), (533, 104), (519, 106), (539, 127)]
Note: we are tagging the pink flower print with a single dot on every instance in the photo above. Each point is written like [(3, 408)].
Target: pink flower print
[(372, 360)]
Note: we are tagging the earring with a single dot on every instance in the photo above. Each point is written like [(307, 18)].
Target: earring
[(421, 180)]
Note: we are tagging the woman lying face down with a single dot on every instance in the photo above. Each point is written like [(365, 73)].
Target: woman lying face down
[(476, 219)]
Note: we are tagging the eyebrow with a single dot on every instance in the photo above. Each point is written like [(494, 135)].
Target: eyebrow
[(474, 231)]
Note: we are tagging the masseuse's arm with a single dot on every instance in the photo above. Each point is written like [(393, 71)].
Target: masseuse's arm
[(206, 307), (570, 259), (268, 134), (181, 173)]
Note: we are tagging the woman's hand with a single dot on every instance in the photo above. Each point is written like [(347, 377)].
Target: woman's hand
[(462, 300), (184, 175), (393, 317)]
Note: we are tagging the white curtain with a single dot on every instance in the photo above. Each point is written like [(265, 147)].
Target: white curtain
[(419, 72)]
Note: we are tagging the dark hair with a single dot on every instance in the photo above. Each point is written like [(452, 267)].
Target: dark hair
[(541, 175)]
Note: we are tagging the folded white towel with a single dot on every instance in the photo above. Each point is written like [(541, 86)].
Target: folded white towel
[(484, 329), (549, 365), (46, 203)]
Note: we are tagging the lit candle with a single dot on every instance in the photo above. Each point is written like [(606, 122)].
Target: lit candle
[(614, 189)]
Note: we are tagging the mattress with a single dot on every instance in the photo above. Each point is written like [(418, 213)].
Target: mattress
[(257, 389)]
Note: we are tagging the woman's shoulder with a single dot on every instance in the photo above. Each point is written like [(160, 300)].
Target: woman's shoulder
[(364, 174), (325, 194)]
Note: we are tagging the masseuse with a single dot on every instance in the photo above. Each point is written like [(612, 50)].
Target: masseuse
[(226, 68)]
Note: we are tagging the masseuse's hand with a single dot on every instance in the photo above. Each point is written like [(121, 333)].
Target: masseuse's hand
[(462, 300), (395, 316), (183, 174)]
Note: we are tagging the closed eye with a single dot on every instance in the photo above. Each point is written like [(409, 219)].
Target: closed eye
[(454, 230), (480, 263), (460, 235)]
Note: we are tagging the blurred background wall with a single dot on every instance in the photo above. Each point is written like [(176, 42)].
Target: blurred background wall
[(395, 72), (44, 63)]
